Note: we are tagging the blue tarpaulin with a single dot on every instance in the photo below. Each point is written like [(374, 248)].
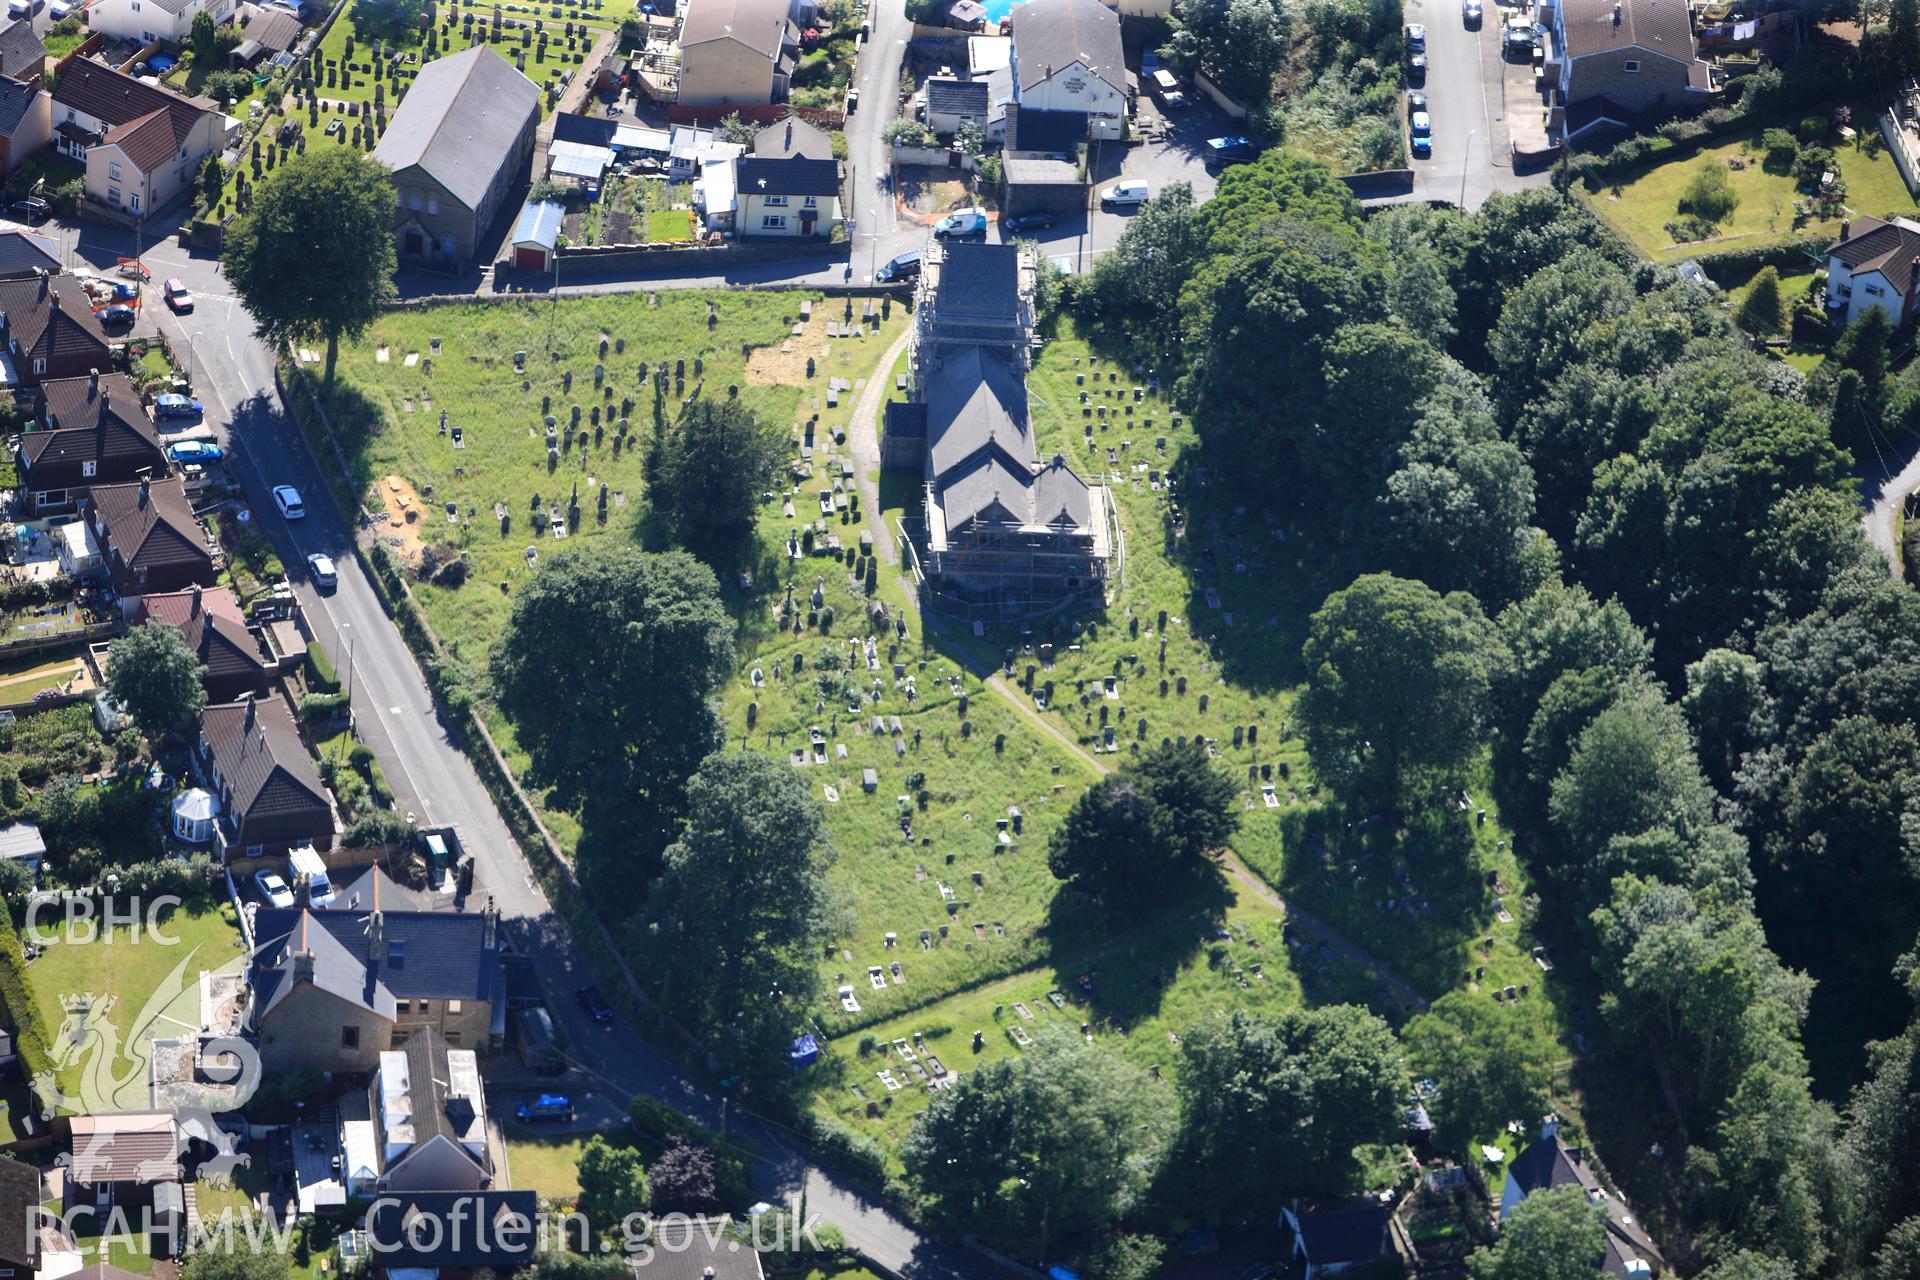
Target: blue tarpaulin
[(804, 1052)]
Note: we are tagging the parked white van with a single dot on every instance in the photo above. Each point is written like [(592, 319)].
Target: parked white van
[(1124, 193), (304, 864)]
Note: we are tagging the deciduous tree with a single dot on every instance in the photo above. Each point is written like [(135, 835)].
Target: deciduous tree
[(613, 1181), (1551, 1235), (715, 463), (155, 678), (1489, 1064), (313, 257)]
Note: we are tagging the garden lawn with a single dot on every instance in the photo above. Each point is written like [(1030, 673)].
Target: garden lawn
[(544, 1162), (664, 225), (141, 986), (1641, 208), (21, 683)]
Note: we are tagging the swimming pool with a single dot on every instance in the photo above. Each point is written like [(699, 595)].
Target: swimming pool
[(998, 9)]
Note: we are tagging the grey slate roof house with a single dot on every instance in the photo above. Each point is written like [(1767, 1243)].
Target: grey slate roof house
[(737, 52), (1067, 56), (792, 138), (24, 254), (953, 102), (95, 432), (790, 197), (23, 55), (19, 1197), (462, 138), (1551, 1163), (335, 989), (1007, 535), (271, 797)]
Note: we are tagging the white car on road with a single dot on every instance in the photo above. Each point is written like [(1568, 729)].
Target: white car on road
[(287, 498), (322, 569)]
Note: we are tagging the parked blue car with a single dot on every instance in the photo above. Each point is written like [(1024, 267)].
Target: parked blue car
[(201, 451), (173, 405), (548, 1106)]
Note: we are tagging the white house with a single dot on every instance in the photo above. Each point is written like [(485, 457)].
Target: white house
[(142, 145), (1872, 264), (795, 197), (150, 20), (1551, 1163), (1067, 57)]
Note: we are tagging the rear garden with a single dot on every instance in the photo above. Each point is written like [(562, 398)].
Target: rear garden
[(1783, 177), (631, 210)]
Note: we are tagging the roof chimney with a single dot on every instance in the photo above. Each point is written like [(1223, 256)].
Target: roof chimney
[(376, 936), (93, 382), (145, 492), (195, 612), (247, 701), (1616, 12), (303, 958), (489, 926), (1846, 227)]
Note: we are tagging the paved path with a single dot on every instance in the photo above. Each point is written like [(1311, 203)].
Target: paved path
[(1885, 489)]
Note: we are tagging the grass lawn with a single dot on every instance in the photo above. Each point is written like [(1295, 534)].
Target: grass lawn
[(544, 1162), (41, 620), (669, 224), (141, 987), (388, 413), (61, 43), (21, 683), (1642, 207)]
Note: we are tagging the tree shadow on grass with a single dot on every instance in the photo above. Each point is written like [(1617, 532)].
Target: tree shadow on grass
[(1123, 960), (352, 421)]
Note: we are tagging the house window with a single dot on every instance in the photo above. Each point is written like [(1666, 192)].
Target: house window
[(69, 115), (812, 203), (452, 1037), (776, 202), (349, 1037), (401, 1006), (135, 6), (433, 205), (1631, 67), (1874, 290), (113, 194), (88, 467), (773, 222), (426, 1006), (255, 850), (399, 1039), (453, 1006), (113, 170), (413, 201), (446, 244)]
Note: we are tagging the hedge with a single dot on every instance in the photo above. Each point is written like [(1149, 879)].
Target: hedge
[(322, 706), (16, 1004), (1732, 267), (321, 677)]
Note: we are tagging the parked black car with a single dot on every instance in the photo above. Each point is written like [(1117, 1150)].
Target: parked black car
[(1029, 221), (595, 1004), (904, 267)]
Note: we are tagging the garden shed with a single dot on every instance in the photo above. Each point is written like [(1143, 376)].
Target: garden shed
[(536, 235)]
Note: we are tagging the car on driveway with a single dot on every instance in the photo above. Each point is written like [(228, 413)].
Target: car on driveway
[(321, 569), (273, 888), (1122, 195), (177, 295), (32, 208), (1416, 36), (960, 224), (1422, 128), (1029, 221), (171, 404), (904, 266), (287, 498), (595, 1004), (119, 315), (196, 451), (547, 1106)]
